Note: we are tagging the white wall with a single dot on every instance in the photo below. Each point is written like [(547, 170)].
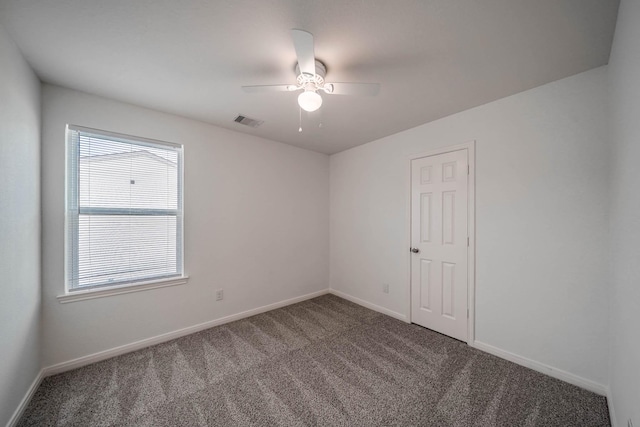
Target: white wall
[(256, 225), (624, 78), (19, 227), (541, 220)]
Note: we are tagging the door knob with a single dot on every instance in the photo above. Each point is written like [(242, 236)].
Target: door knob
[(415, 250)]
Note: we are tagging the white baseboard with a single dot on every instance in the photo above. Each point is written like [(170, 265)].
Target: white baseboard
[(26, 399), (542, 368), (612, 413), (369, 305), (128, 348)]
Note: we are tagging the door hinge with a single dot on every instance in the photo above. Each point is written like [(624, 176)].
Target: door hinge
[(468, 169), (467, 240), (467, 313)]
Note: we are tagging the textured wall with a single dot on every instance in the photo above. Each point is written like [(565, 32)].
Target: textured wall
[(541, 220), (19, 227), (256, 225), (624, 73)]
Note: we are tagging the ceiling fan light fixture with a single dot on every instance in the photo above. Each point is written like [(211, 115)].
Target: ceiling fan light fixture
[(309, 100), (310, 74)]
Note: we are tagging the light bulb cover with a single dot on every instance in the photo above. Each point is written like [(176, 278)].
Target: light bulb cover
[(309, 100)]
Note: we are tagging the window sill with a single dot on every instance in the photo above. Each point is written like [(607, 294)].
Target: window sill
[(123, 289)]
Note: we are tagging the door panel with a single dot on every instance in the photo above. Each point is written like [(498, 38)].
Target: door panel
[(448, 217), (448, 290), (439, 230), (425, 285), (425, 210)]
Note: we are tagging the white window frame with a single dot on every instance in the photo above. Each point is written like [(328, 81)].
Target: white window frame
[(72, 211)]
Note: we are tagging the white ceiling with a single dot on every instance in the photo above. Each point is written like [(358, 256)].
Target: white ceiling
[(432, 58)]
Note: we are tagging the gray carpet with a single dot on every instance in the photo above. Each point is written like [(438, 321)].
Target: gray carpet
[(322, 362)]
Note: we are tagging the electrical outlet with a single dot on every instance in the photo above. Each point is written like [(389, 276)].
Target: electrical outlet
[(219, 295), (385, 288)]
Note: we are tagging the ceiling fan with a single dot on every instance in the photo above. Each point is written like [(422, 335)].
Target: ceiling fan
[(311, 74)]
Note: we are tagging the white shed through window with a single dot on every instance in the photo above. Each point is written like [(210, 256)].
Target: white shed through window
[(124, 209)]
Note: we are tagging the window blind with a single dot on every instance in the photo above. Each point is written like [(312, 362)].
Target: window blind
[(124, 209)]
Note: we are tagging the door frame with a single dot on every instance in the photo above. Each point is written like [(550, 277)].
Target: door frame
[(471, 224)]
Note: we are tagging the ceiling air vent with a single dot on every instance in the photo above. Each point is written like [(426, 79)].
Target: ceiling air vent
[(248, 122)]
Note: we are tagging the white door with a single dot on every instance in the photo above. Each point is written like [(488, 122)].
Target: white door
[(439, 242)]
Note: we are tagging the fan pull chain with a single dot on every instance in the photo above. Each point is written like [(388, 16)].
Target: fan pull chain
[(300, 119)]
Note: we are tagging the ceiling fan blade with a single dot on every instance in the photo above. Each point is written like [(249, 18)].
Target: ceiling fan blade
[(269, 88), (363, 89), (303, 43)]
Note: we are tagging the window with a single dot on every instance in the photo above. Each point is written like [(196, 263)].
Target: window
[(124, 210)]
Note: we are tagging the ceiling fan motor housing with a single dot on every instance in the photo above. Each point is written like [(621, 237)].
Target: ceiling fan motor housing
[(312, 82)]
